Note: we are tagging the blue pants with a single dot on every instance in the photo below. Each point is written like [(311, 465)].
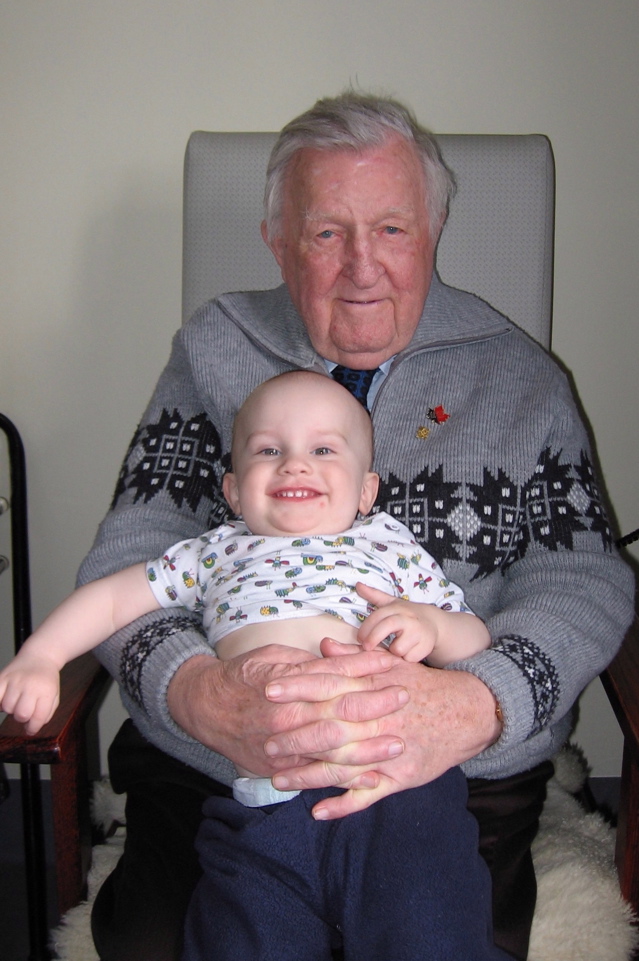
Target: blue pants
[(401, 881)]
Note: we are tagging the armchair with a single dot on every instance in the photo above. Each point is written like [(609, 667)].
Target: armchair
[(499, 244)]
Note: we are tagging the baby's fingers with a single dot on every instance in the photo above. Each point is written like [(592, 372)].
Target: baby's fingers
[(22, 704), (35, 712), (10, 693), (380, 625), (44, 711), (373, 596)]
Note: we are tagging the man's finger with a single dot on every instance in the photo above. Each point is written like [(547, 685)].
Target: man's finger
[(317, 737), (353, 800), (370, 751), (325, 678)]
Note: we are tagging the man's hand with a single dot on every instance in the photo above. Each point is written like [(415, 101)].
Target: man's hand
[(223, 705), (449, 718)]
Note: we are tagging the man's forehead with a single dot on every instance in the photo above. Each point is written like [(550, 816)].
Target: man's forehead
[(309, 161), (314, 214)]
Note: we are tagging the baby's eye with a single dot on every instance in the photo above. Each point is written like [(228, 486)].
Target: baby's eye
[(269, 451), (322, 450)]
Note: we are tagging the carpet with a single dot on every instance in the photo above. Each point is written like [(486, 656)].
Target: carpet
[(580, 915)]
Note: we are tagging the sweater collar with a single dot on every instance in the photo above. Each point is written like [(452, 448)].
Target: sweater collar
[(450, 317)]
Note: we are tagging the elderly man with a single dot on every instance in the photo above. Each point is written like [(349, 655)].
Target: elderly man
[(480, 451)]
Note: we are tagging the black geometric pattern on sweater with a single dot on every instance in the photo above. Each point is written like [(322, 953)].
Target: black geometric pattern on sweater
[(595, 510), (139, 648), (551, 502), (538, 671), (120, 486), (182, 457), (545, 511), (493, 524), (426, 506)]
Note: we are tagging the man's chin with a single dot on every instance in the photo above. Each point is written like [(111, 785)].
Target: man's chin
[(364, 346)]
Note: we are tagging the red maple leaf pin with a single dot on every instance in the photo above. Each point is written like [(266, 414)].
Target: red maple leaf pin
[(438, 415)]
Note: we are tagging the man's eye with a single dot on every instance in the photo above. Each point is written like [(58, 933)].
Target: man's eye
[(326, 234), (391, 230)]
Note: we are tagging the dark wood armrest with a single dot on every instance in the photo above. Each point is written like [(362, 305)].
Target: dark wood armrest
[(621, 683), (62, 743), (81, 683)]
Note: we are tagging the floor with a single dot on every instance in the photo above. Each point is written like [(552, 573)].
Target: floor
[(14, 934)]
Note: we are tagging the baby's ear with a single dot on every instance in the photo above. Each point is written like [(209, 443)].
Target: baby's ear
[(370, 486), (229, 489)]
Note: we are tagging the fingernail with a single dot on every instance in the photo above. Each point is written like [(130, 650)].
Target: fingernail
[(368, 780), (273, 690), (320, 814), (397, 747), (403, 697), (281, 783), (271, 749)]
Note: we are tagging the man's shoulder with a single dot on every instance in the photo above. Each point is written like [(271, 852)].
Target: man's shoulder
[(242, 306), (267, 318), (461, 312), (466, 314)]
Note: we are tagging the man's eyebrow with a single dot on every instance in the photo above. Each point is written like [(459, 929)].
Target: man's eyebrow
[(406, 210)]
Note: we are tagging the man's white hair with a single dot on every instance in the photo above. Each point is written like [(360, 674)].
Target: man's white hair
[(357, 121)]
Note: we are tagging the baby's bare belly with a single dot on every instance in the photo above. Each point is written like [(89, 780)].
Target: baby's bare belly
[(303, 632)]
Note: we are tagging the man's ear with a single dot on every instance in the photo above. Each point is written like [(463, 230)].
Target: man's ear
[(370, 487), (229, 489), (274, 244)]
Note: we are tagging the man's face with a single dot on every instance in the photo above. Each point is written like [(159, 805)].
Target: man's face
[(355, 249), (301, 458)]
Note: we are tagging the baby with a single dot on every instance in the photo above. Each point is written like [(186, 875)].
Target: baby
[(301, 456), (297, 567)]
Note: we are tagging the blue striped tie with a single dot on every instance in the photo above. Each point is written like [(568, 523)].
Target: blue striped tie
[(358, 382)]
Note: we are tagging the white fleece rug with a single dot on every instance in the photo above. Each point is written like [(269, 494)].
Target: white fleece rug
[(580, 914)]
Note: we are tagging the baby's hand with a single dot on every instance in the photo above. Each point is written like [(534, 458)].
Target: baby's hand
[(413, 625), (30, 690)]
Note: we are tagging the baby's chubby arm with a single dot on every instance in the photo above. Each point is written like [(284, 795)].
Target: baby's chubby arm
[(421, 630), (30, 684)]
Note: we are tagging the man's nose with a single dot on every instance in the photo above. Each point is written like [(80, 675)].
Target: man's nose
[(361, 265)]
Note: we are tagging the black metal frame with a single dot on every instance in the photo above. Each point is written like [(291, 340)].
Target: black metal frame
[(32, 814)]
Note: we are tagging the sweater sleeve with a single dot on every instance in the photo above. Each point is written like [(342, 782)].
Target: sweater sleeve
[(565, 603), (169, 489)]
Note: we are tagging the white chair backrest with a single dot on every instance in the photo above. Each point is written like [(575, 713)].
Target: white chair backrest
[(497, 243)]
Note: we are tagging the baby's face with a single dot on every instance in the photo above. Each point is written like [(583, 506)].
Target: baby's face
[(301, 458)]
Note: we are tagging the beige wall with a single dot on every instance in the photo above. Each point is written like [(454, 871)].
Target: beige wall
[(96, 103)]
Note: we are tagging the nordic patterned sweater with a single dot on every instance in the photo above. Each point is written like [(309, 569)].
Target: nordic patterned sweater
[(481, 453)]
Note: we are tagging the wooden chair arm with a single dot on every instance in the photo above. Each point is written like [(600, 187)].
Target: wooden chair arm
[(621, 683), (62, 743), (81, 683)]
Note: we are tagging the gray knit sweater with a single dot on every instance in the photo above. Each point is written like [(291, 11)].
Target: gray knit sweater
[(481, 453)]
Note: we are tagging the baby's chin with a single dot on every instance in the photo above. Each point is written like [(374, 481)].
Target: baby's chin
[(296, 531)]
